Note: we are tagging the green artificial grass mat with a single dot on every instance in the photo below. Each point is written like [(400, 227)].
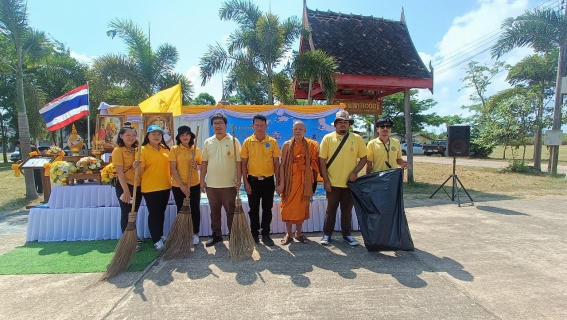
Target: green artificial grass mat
[(69, 257)]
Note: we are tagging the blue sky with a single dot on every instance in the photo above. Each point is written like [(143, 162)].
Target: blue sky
[(443, 31)]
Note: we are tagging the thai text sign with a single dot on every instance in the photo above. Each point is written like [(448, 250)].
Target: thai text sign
[(362, 106)]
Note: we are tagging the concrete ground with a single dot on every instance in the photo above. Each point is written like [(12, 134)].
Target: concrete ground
[(498, 259)]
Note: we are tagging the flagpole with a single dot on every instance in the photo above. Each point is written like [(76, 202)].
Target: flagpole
[(88, 117)]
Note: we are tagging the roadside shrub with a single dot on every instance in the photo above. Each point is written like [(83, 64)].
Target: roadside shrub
[(479, 150), (518, 166)]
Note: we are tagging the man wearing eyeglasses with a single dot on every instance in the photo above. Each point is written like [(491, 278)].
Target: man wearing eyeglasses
[(384, 152), (219, 182)]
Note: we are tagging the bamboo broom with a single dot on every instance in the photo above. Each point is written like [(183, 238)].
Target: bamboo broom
[(241, 243), (180, 240), (126, 248)]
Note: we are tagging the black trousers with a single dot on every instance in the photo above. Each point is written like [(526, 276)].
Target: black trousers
[(194, 204), (156, 202), (37, 179), (125, 208), (262, 190)]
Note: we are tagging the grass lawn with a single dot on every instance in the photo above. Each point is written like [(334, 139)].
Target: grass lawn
[(12, 190), (482, 183), (498, 153)]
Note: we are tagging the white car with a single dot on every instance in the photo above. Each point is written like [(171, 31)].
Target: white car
[(417, 148)]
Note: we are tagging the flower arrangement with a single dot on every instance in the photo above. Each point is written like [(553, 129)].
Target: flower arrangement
[(89, 164), (54, 151), (108, 173), (60, 171)]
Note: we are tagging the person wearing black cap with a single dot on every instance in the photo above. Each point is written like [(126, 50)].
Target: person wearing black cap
[(181, 159), (384, 151)]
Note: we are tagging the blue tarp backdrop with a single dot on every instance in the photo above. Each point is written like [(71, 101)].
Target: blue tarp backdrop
[(279, 127)]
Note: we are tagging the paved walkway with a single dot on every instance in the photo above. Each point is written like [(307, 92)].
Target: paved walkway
[(499, 259)]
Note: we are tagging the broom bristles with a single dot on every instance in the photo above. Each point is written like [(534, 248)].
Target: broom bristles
[(180, 239), (241, 244), (123, 253)]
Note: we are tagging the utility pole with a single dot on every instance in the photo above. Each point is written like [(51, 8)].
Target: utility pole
[(554, 150)]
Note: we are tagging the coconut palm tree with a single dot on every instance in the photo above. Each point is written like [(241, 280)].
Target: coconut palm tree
[(254, 50), (132, 77), (541, 29), (314, 66), (28, 45)]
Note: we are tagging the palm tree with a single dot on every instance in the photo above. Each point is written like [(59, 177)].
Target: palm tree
[(541, 29), (28, 44), (133, 77), (317, 65), (253, 50)]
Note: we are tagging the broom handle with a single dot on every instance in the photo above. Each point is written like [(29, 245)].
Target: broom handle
[(193, 154), (235, 162), (134, 194)]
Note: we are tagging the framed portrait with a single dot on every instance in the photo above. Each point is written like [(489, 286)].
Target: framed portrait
[(107, 127), (36, 162), (165, 121)]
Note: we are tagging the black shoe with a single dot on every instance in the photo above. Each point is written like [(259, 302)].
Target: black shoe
[(256, 239), (267, 240), (212, 240)]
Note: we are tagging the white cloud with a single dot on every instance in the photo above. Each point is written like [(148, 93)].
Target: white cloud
[(82, 58), (212, 87), (470, 38)]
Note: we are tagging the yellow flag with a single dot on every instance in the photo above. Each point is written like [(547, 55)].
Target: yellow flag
[(168, 100)]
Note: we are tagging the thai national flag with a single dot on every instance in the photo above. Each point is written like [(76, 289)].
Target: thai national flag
[(66, 109)]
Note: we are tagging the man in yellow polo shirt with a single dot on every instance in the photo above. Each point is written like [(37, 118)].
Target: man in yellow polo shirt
[(220, 175), (260, 167), (384, 151), (336, 170)]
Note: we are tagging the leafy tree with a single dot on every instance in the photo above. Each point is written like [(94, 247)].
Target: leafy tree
[(204, 99), (542, 30), (28, 44), (478, 78), (253, 51), (537, 73), (130, 78), (512, 118)]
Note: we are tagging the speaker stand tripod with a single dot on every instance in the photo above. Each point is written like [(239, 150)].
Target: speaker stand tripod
[(455, 189)]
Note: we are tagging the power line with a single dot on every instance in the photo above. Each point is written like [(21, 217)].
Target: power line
[(483, 41)]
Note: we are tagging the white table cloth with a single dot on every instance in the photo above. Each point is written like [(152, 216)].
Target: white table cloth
[(84, 196), (79, 224)]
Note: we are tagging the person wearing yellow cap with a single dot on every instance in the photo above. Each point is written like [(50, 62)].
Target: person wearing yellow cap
[(156, 181), (184, 156), (338, 156)]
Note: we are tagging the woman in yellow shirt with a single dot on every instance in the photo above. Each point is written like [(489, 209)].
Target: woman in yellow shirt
[(123, 157), (156, 181), (182, 157)]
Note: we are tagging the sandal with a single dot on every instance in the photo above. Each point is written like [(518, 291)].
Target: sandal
[(302, 239), (286, 240)]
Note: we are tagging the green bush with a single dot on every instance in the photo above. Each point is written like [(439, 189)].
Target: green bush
[(517, 165)]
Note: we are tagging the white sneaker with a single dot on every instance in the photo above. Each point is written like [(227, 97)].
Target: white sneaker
[(159, 245), (326, 239), (196, 239), (164, 238), (350, 240)]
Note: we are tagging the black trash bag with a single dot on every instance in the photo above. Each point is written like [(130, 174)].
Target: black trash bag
[(379, 205)]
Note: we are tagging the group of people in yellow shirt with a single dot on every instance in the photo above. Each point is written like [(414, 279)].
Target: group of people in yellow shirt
[(184, 171)]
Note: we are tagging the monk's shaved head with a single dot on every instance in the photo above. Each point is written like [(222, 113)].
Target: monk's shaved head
[(299, 123)]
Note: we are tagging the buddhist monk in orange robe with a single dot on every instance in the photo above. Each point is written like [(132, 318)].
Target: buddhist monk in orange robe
[(298, 172)]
